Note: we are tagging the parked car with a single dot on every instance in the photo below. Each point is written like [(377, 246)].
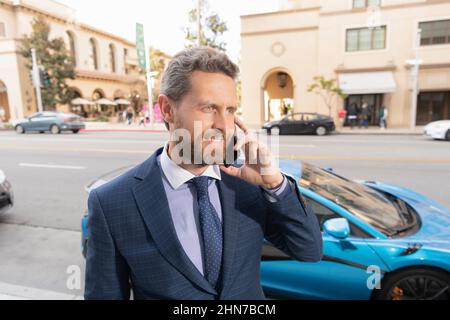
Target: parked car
[(301, 123), (439, 130), (54, 122), (6, 193), (371, 230)]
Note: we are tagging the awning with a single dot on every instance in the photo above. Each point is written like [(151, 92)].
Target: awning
[(367, 82), (81, 101), (122, 102), (105, 102)]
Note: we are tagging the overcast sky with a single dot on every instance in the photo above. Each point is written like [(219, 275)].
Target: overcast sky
[(164, 19)]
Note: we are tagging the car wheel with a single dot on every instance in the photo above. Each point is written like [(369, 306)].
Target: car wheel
[(447, 135), (41, 132), (415, 284), (275, 131), (321, 131), (19, 129), (54, 129), (75, 131)]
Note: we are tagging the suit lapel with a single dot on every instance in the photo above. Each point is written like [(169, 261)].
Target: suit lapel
[(153, 205), (230, 225)]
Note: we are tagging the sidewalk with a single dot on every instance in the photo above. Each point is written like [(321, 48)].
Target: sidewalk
[(122, 127), (377, 131)]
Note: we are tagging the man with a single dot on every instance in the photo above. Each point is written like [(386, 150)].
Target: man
[(171, 229)]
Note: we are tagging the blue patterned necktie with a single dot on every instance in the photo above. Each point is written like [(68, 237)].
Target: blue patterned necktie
[(211, 229)]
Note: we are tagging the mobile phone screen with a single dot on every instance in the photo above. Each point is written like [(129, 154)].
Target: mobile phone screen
[(230, 149)]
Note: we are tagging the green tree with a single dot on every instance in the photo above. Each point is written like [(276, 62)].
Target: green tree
[(212, 28), (53, 55), (157, 61), (328, 89)]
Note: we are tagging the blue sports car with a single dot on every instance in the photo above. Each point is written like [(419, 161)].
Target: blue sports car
[(380, 242)]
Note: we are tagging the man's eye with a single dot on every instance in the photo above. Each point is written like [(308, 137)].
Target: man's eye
[(208, 109), (231, 110)]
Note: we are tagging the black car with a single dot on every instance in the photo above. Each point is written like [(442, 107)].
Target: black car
[(301, 123), (6, 193)]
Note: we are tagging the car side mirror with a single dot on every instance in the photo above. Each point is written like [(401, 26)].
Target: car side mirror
[(337, 228)]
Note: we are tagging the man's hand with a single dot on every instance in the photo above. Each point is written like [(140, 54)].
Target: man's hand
[(259, 167)]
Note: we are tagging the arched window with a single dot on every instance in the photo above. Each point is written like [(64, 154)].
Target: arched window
[(125, 59), (72, 48), (94, 55), (112, 57)]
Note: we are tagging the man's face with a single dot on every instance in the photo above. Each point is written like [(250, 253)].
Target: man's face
[(211, 103)]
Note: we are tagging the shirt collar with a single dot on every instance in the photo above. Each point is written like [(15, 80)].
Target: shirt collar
[(177, 176)]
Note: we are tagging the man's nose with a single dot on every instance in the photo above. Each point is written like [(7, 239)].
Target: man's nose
[(220, 121)]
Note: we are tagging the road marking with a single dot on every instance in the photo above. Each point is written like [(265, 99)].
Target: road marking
[(16, 292), (382, 159), (79, 150), (50, 166), (111, 141), (287, 156)]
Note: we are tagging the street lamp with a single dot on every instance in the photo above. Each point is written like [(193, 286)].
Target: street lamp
[(415, 63)]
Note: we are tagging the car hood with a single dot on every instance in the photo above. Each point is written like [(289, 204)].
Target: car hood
[(440, 122), (272, 123), (18, 121), (435, 218)]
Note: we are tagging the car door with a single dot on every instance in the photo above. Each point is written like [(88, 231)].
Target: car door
[(309, 123), (48, 120), (292, 124), (342, 273), (34, 122)]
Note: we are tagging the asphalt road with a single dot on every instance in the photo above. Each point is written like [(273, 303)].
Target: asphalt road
[(40, 236)]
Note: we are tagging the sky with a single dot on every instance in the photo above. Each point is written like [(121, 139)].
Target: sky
[(164, 19)]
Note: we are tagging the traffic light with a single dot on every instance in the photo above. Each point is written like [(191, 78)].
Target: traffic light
[(44, 77), (46, 82)]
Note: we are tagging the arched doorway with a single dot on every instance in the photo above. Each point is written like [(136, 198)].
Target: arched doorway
[(4, 102), (277, 94), (98, 94)]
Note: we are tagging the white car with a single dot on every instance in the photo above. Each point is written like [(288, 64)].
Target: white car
[(438, 130)]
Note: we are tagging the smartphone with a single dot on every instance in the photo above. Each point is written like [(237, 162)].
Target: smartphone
[(230, 148)]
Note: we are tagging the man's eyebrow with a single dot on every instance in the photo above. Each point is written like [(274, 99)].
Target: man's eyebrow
[(212, 104)]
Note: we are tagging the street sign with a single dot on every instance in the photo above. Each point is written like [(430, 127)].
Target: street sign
[(140, 46)]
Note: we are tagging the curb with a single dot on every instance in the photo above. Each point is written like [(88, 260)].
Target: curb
[(122, 130), (380, 133)]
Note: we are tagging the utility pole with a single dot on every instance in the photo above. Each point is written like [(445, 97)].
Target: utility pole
[(415, 79), (149, 75), (36, 80), (199, 23)]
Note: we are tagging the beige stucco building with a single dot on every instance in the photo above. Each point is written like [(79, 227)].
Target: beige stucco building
[(106, 65), (363, 44)]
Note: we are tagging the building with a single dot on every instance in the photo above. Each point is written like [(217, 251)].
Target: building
[(366, 45), (106, 65)]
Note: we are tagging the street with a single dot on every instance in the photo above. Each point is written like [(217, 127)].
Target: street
[(40, 235)]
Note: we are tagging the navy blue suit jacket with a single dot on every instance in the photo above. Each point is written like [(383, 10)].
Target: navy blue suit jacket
[(133, 242)]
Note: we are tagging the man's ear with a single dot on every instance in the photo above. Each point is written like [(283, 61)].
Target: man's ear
[(166, 107)]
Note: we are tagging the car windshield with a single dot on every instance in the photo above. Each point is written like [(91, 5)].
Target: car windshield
[(367, 204)]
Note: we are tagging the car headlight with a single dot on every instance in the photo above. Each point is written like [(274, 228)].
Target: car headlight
[(2, 177)]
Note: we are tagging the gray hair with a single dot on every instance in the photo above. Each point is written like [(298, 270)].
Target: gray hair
[(176, 81)]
